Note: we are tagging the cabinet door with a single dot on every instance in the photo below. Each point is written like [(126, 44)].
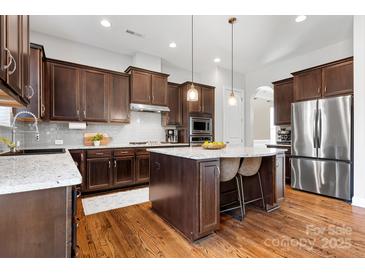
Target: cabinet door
[(209, 191), (36, 105), (3, 60), (119, 98), (141, 87), (283, 97), (174, 117), (307, 85), (95, 96), (14, 45), (99, 173), (159, 90), (207, 100), (25, 53), (142, 168), (338, 79), (64, 91), (123, 171), (197, 105)]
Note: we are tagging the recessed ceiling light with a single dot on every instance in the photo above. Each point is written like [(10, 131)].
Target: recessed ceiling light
[(172, 45), (217, 60), (105, 23), (300, 18)]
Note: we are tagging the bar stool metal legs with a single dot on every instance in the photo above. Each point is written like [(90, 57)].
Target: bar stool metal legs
[(262, 198)]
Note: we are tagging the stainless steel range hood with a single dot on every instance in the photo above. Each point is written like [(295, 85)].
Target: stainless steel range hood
[(148, 108)]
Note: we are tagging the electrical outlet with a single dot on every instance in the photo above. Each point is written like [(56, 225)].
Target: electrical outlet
[(58, 142)]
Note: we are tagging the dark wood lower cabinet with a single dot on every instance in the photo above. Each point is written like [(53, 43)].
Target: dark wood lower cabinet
[(99, 173), (123, 171), (38, 224), (142, 168)]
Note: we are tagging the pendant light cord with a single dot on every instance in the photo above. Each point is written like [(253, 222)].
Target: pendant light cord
[(192, 49), (232, 93)]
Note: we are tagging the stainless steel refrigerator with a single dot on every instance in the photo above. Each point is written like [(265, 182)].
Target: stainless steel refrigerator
[(322, 146)]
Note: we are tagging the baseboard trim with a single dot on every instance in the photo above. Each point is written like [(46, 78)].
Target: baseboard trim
[(357, 201)]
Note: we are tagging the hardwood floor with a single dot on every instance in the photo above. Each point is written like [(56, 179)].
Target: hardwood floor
[(306, 225)]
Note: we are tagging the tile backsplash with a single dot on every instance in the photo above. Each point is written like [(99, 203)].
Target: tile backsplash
[(143, 126)]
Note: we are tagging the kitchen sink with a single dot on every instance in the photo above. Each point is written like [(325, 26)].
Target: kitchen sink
[(21, 152)]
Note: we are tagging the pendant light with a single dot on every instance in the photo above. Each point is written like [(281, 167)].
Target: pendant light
[(232, 100), (192, 95)]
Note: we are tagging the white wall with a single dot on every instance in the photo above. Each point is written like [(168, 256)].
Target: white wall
[(67, 50), (281, 70), (221, 78), (359, 111), (261, 116)]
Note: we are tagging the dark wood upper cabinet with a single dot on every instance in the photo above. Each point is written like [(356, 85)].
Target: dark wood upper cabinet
[(14, 60), (307, 85), (140, 87), (3, 60), (174, 116), (118, 98), (64, 89), (148, 87), (338, 79), (37, 101), (14, 45), (208, 100), (159, 90), (95, 96), (283, 97), (331, 79), (99, 173)]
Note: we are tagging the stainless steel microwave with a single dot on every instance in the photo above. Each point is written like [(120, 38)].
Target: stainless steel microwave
[(201, 125)]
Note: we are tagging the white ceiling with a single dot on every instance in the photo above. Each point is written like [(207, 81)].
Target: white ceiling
[(259, 40)]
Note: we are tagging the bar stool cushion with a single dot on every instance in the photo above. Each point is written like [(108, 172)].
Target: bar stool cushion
[(229, 168), (250, 166)]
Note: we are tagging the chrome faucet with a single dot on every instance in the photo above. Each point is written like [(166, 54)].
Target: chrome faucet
[(36, 131)]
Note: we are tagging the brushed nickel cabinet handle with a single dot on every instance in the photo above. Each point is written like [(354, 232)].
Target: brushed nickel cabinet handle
[(84, 113), (115, 163), (109, 164), (12, 61), (78, 112), (4, 67), (43, 110), (29, 87), (319, 90)]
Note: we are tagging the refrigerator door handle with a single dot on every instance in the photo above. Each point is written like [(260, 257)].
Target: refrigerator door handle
[(315, 129), (319, 130)]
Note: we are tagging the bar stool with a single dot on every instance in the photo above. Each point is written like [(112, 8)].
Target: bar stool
[(250, 167), (228, 171)]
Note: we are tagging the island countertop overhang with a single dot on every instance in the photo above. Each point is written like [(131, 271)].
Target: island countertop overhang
[(230, 151)]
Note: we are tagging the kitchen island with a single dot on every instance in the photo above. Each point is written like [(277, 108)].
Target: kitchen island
[(185, 189)]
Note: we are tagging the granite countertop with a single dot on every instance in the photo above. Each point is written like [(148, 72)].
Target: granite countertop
[(121, 145), (36, 172), (231, 151)]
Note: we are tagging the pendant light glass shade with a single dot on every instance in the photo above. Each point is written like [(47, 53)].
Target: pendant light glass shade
[(232, 100), (193, 94)]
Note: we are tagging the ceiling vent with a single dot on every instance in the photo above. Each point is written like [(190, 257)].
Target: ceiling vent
[(131, 32)]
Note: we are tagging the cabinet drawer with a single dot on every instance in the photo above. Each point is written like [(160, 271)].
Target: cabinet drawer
[(123, 152), (142, 151), (99, 153)]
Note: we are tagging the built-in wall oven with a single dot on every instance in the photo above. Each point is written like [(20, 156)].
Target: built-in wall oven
[(199, 139), (201, 125)]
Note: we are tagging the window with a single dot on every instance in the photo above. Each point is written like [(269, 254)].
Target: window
[(5, 116)]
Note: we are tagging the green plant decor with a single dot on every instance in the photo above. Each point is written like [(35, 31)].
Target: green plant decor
[(7, 142), (97, 137)]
